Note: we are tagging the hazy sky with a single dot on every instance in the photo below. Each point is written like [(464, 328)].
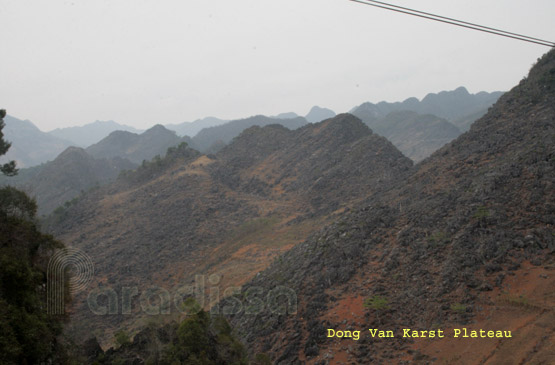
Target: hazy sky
[(143, 62)]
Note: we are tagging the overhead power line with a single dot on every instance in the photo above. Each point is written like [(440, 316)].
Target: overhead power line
[(460, 23)]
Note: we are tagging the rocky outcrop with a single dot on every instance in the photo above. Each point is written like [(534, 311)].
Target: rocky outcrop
[(460, 223), (227, 214)]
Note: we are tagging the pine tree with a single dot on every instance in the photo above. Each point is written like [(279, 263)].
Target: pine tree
[(8, 168), (28, 334)]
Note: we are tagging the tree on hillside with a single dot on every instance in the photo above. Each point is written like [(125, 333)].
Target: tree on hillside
[(8, 168), (28, 334)]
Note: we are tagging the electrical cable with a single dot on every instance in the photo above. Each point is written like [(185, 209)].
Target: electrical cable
[(456, 22), (459, 21)]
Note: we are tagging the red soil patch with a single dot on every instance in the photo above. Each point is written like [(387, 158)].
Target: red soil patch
[(525, 306)]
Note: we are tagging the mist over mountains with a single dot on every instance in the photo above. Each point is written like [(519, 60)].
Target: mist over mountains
[(450, 245), (230, 213), (415, 135), (30, 146), (135, 147), (290, 183), (73, 172), (192, 128), (208, 138), (390, 216), (91, 133), (418, 128), (455, 106), (317, 114)]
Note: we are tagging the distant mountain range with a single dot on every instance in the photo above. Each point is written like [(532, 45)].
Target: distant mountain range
[(30, 146), (71, 173), (233, 212), (458, 107), (463, 240), (135, 147), (84, 136), (288, 115), (213, 138), (317, 114), (316, 240), (418, 128), (76, 170), (192, 128), (416, 135)]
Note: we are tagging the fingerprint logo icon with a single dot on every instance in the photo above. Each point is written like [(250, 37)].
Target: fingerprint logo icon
[(80, 268)]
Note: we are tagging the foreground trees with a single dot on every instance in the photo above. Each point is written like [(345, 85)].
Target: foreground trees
[(28, 334)]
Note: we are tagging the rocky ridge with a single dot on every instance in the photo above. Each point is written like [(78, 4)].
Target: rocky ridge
[(466, 219), (135, 147), (227, 214)]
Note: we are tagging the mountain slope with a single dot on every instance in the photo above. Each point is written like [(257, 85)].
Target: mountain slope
[(287, 115), (456, 106), (192, 128), (437, 250), (135, 147), (71, 173), (336, 159), (227, 214), (418, 128), (30, 146), (88, 134), (416, 135), (223, 134), (318, 114)]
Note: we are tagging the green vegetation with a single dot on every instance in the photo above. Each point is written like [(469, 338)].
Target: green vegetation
[(190, 306), (118, 361), (481, 213), (262, 359), (61, 213), (173, 151), (520, 301), (377, 303), (458, 308), (23, 175), (205, 339), (201, 338), (437, 239), (157, 164), (122, 338), (16, 203), (8, 168), (28, 334)]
